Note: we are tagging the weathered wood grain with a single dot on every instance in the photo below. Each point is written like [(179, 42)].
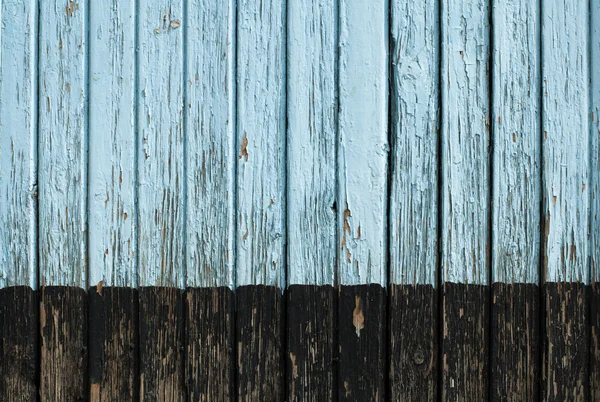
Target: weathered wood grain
[(209, 344), (161, 347), (311, 343), (64, 354), (566, 345), (415, 124), (19, 344), (210, 147), (595, 202), (160, 161), (517, 142), (18, 143), (465, 343), (515, 347), (413, 343), (311, 147), (261, 112), (113, 344), (594, 351), (112, 157), (363, 141), (62, 143), (465, 83), (362, 323)]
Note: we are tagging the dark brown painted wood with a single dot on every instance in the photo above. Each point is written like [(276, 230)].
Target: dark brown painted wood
[(64, 355), (465, 343), (413, 338), (19, 329), (594, 341), (259, 337), (161, 344), (516, 346), (362, 327), (209, 344), (566, 343), (113, 344), (311, 343)]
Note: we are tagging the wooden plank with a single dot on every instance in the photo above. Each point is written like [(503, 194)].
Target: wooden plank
[(62, 143), (112, 162), (18, 143), (64, 356), (161, 344), (112, 346), (465, 210), (210, 152), (19, 353), (515, 347), (311, 343), (209, 344), (413, 211), (566, 197), (160, 162), (259, 336)]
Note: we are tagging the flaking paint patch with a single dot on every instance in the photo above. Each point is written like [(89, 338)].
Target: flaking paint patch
[(358, 318)]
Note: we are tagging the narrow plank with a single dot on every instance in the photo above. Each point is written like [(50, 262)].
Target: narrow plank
[(594, 353), (160, 146), (413, 350), (465, 209), (413, 312), (362, 197), (311, 340), (515, 347), (209, 344), (260, 231), (566, 197), (18, 143), (311, 200), (362, 343), (19, 343), (161, 347), (64, 355), (516, 342), (259, 336), (113, 344)]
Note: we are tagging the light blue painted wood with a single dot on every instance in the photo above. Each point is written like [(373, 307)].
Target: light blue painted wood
[(566, 128), (112, 210), (18, 143), (160, 154), (415, 124), (261, 111), (595, 140), (62, 178), (311, 150), (465, 141), (210, 132), (517, 141), (363, 142)]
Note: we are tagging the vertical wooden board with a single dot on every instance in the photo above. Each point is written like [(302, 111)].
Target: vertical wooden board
[(64, 356), (261, 141), (413, 338), (18, 143), (209, 344), (161, 347), (259, 333), (594, 351), (210, 133), (363, 142), (113, 344), (62, 143), (415, 125), (311, 148), (160, 187), (19, 342), (112, 210)]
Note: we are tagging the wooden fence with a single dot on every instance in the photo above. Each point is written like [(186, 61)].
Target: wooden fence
[(299, 200)]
